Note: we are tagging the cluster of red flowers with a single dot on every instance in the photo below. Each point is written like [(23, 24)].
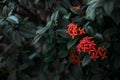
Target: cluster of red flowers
[(87, 45), (74, 30), (74, 58)]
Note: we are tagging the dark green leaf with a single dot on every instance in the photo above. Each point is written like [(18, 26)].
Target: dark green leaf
[(90, 12), (54, 16), (97, 77), (90, 30), (62, 53), (86, 60), (12, 76), (16, 37), (108, 7), (62, 33), (23, 67), (49, 58), (13, 19), (116, 46), (24, 76), (71, 43), (98, 36)]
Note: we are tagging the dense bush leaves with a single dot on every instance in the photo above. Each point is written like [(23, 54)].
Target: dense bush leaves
[(35, 43)]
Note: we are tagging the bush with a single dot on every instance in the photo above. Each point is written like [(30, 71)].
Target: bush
[(59, 40)]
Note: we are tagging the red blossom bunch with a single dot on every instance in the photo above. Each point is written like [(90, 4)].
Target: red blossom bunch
[(87, 45), (74, 30), (74, 58)]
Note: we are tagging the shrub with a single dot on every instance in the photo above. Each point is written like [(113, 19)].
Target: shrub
[(60, 39)]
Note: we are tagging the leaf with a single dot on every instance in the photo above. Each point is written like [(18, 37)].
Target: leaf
[(116, 62), (108, 7), (116, 46), (90, 12), (71, 43), (13, 19), (12, 76), (62, 33), (67, 16), (24, 2), (86, 60), (44, 29), (89, 30), (32, 56), (23, 67), (115, 15), (36, 39), (54, 16), (106, 44), (27, 34), (62, 53), (5, 11), (74, 11), (77, 72), (97, 77), (16, 37), (24, 76), (98, 36), (49, 58)]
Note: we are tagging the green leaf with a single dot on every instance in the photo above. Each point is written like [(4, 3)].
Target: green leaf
[(116, 62), (62, 33), (13, 19), (36, 39), (5, 11), (32, 56), (16, 37), (49, 58), (62, 53), (12, 76), (98, 36), (23, 67), (90, 12), (106, 44), (89, 30), (24, 2), (108, 7), (77, 72), (116, 46), (97, 77), (24, 76), (115, 15), (74, 11), (86, 60), (27, 34), (54, 16), (71, 43), (67, 16), (44, 29)]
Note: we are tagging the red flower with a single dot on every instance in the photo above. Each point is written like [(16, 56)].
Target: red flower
[(81, 31), (77, 7), (72, 30), (102, 52), (74, 58), (86, 45)]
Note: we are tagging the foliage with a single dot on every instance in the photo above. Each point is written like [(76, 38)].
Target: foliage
[(36, 39)]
